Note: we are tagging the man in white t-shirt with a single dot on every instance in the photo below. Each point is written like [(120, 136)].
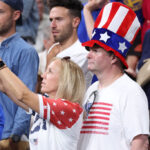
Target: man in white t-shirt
[(65, 17), (116, 107)]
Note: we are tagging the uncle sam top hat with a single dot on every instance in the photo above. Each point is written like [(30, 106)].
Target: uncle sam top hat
[(115, 30)]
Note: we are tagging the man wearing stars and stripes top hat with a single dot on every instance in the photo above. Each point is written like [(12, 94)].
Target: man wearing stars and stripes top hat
[(116, 107)]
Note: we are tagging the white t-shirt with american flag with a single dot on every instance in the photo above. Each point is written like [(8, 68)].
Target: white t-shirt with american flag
[(60, 128), (118, 114)]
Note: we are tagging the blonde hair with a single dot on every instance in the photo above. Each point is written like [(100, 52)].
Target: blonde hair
[(71, 81)]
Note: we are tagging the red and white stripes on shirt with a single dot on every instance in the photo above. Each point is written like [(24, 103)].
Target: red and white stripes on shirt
[(98, 119)]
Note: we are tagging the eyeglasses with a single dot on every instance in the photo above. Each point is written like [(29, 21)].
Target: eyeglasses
[(90, 101)]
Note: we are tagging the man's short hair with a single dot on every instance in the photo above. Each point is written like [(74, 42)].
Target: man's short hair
[(75, 6)]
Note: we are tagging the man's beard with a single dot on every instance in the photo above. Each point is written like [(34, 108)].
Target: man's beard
[(6, 28)]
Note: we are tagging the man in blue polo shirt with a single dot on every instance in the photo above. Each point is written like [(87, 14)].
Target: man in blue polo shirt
[(22, 59)]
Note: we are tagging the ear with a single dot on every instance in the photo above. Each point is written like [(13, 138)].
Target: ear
[(114, 59), (75, 22), (16, 15)]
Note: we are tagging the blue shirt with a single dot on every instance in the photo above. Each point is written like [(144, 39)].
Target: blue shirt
[(22, 59), (1, 121)]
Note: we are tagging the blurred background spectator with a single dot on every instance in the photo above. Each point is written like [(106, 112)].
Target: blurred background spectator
[(43, 28), (144, 62), (30, 21), (146, 15)]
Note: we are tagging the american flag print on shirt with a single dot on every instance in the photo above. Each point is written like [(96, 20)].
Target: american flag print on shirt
[(98, 119)]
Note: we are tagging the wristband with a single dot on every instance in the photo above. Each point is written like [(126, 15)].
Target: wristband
[(2, 64)]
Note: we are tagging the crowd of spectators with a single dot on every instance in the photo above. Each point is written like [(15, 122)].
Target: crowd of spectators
[(45, 29)]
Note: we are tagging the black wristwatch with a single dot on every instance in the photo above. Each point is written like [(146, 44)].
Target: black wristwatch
[(15, 138), (2, 64)]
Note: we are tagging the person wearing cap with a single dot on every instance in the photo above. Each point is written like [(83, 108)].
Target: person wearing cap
[(116, 107), (22, 59), (1, 121)]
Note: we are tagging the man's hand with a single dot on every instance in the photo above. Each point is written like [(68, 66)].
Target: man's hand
[(95, 4)]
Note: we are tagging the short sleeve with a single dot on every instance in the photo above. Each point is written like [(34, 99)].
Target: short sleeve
[(135, 116), (62, 113)]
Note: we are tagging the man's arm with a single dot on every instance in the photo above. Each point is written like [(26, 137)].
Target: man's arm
[(87, 11), (140, 142)]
